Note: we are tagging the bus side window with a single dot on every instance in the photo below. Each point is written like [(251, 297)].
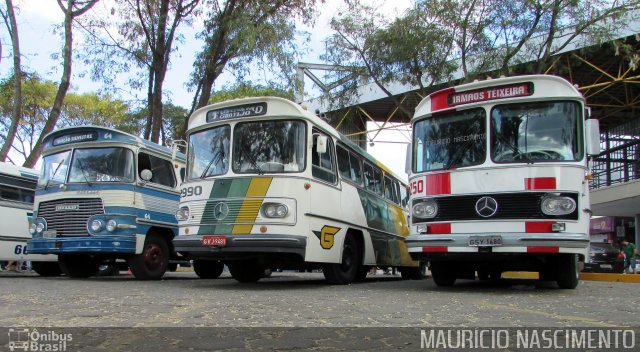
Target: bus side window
[(9, 193), (323, 167), (388, 188), (162, 169), (404, 196), (372, 179), (356, 168), (343, 162)]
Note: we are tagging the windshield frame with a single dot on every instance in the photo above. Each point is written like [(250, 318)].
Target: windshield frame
[(189, 176), (577, 136), (43, 181), (444, 141), (81, 177), (284, 119)]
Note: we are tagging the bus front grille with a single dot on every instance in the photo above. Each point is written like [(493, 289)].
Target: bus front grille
[(68, 217)]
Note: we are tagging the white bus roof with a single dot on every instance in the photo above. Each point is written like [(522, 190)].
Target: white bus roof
[(536, 87), (239, 109), (18, 171)]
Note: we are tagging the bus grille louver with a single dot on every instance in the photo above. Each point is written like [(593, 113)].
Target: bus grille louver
[(69, 216)]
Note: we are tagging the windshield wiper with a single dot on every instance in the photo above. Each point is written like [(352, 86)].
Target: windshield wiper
[(55, 172), (253, 162), (84, 173), (523, 155)]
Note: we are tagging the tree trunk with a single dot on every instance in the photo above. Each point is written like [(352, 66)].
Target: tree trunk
[(16, 114), (69, 15)]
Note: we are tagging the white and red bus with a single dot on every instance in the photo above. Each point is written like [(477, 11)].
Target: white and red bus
[(499, 179)]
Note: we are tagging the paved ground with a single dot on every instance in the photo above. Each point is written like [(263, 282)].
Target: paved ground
[(294, 311)]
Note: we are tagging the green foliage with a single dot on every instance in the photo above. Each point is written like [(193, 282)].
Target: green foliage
[(246, 89)]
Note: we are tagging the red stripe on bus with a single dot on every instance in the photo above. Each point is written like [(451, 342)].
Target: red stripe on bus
[(540, 183), (438, 229), (538, 226), (435, 249), (438, 184), (543, 249), (439, 100)]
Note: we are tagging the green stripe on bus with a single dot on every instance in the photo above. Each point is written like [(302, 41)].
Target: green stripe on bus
[(239, 187)]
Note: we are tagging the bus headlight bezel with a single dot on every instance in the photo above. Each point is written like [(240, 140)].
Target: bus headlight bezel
[(424, 209), (555, 205), (40, 227), (112, 225), (97, 225), (32, 229), (182, 214), (274, 210)]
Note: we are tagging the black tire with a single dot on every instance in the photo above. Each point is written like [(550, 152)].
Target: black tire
[(208, 269), (78, 266), (345, 272), (172, 267), (444, 273), (567, 271), (246, 270), (46, 269), (361, 275), (109, 269), (414, 273), (153, 262)]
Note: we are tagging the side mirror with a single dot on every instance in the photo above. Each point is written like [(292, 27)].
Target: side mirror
[(321, 144), (183, 174), (592, 129), (146, 175), (407, 160)]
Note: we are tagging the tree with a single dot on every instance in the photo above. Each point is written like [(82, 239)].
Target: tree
[(239, 33), (73, 9), (12, 26)]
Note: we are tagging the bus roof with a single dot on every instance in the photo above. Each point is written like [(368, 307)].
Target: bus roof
[(491, 90), (18, 171), (96, 134), (265, 107)]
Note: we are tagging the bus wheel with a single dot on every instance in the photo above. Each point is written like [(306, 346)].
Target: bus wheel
[(444, 273), (345, 272), (208, 269), (413, 273), (152, 263), (567, 271), (78, 266), (46, 268), (246, 270)]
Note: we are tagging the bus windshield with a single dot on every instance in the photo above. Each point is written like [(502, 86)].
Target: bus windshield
[(112, 164), (54, 168), (538, 131), (450, 141), (208, 152), (269, 146)]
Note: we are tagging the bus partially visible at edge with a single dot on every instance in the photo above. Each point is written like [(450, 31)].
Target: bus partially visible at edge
[(270, 185), (17, 188), (104, 195), (499, 180)]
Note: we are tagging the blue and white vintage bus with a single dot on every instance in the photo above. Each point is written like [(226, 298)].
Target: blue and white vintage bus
[(17, 189), (271, 185), (105, 194)]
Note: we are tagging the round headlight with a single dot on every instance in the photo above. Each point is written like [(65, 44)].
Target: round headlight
[(32, 228), (39, 227), (96, 225), (112, 225), (425, 209), (182, 214), (275, 210), (557, 205)]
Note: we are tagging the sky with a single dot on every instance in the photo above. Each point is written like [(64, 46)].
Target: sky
[(39, 39)]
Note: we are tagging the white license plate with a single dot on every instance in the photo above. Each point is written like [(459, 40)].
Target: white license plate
[(606, 266), (485, 241), (50, 234)]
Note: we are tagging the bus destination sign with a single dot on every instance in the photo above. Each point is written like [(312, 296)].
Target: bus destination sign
[(232, 112), (491, 93), (76, 137)]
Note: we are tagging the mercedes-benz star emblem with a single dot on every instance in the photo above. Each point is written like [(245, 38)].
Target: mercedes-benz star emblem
[(220, 211), (486, 207)]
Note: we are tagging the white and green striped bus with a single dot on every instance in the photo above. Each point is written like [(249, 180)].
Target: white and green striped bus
[(271, 185)]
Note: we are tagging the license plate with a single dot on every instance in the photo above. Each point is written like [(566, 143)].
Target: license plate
[(50, 234), (606, 266), (485, 241), (214, 241)]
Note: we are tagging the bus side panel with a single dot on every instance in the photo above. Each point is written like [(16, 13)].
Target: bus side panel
[(326, 235), (15, 233)]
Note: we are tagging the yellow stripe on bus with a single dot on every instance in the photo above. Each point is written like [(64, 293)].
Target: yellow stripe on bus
[(399, 220), (248, 211)]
